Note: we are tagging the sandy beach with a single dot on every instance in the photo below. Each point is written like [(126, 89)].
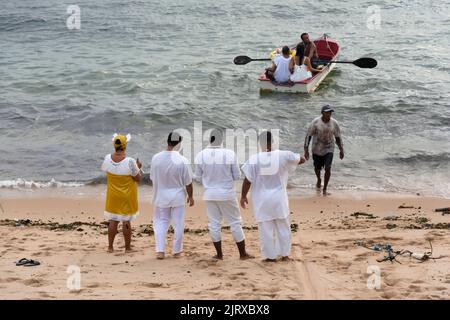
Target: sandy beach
[(65, 227)]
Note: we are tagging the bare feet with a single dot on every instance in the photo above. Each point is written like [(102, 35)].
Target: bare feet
[(110, 250), (177, 255), (325, 193), (246, 257), (319, 184), (286, 258), (160, 255), (129, 250), (270, 260), (217, 257)]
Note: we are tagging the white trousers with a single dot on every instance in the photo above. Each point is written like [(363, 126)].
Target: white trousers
[(161, 220), (275, 238), (229, 211)]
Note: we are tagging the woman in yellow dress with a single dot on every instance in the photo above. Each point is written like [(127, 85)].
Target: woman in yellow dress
[(123, 174)]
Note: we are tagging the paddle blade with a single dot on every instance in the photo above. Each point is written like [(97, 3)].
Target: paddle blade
[(365, 63), (242, 60)]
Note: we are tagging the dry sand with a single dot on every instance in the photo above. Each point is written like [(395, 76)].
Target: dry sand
[(326, 262)]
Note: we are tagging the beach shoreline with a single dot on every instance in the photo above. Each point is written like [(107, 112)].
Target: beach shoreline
[(66, 228)]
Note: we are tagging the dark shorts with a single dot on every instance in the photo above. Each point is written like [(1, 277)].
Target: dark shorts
[(323, 161), (314, 64)]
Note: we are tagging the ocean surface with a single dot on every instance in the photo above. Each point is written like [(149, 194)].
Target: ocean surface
[(148, 67)]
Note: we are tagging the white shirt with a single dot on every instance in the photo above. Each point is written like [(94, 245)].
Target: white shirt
[(282, 73), (323, 136), (217, 169), (268, 173), (170, 174), (126, 167)]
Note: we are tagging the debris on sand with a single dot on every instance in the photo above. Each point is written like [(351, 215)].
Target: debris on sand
[(392, 254), (403, 206), (363, 214), (49, 225), (443, 210)]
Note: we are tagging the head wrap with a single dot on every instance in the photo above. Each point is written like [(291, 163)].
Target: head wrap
[(120, 140)]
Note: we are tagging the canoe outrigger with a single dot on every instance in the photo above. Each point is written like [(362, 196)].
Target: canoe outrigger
[(327, 49)]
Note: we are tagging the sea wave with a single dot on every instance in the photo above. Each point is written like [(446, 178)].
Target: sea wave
[(419, 158), (30, 184), (14, 23)]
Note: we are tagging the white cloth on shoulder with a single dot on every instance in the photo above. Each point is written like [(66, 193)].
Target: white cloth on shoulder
[(300, 73)]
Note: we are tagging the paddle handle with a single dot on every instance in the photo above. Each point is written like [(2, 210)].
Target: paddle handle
[(327, 62), (262, 59)]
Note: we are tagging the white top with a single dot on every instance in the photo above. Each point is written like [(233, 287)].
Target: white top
[(323, 135), (282, 73), (217, 169), (170, 174), (268, 174), (126, 167), (301, 73)]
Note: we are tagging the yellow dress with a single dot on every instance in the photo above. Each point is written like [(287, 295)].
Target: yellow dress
[(122, 191)]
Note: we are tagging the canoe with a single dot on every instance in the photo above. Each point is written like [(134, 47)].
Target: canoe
[(327, 49)]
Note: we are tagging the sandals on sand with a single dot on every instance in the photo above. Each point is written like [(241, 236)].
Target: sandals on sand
[(27, 262)]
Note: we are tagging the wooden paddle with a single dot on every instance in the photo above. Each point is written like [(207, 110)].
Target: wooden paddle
[(361, 62)]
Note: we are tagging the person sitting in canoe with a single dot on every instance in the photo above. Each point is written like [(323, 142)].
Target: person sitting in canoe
[(303, 68), (310, 48), (282, 67)]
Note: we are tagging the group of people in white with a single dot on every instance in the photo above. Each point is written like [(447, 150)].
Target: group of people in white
[(216, 168)]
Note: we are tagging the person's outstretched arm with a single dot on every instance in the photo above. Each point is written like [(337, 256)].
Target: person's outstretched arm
[(309, 65), (308, 138), (190, 192), (245, 188), (337, 135), (272, 67), (291, 65), (137, 176), (341, 147)]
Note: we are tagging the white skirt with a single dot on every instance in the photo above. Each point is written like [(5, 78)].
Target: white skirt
[(120, 217)]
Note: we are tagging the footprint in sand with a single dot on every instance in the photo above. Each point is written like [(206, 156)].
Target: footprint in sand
[(154, 284), (415, 288), (362, 256), (418, 281), (389, 294), (391, 281), (207, 263), (440, 288), (45, 295), (11, 279), (34, 282)]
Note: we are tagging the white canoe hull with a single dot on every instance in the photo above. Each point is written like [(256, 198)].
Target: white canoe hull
[(298, 87)]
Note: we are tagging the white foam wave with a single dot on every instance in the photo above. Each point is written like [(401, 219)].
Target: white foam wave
[(29, 184)]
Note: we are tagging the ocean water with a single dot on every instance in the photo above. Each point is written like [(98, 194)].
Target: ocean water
[(148, 67)]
